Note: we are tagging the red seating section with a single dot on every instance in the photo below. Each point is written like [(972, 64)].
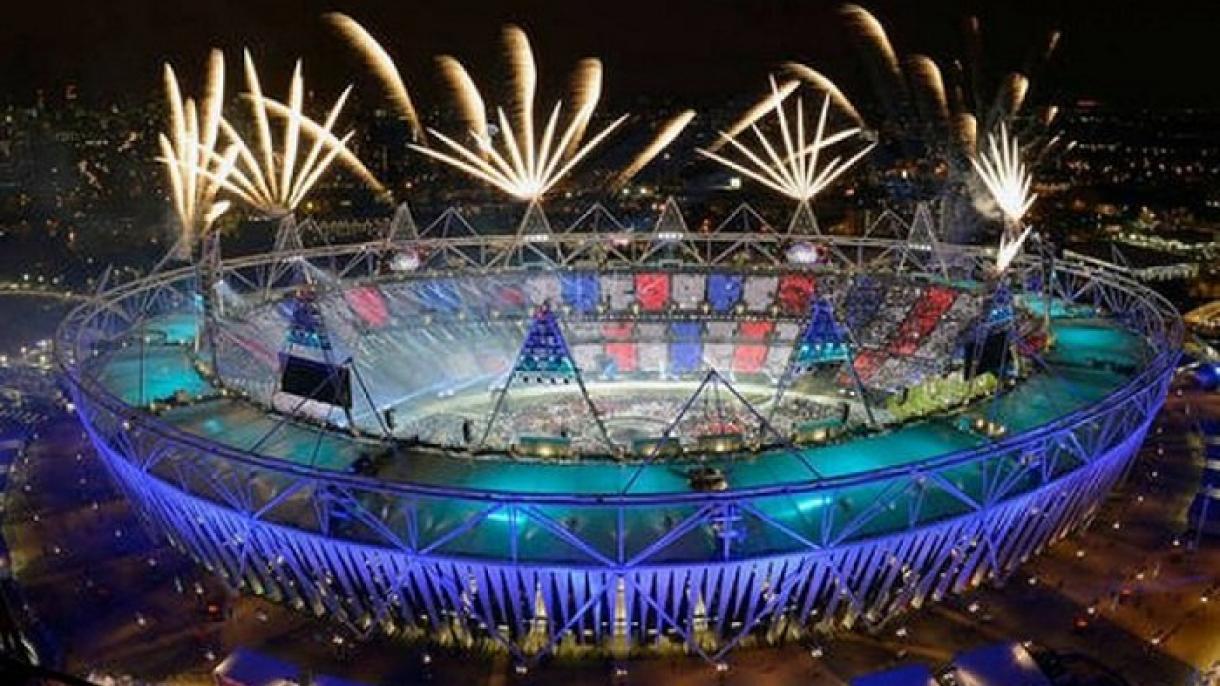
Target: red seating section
[(795, 290), (749, 359), (652, 291), (618, 331), (922, 320), (866, 363), (369, 305), (623, 354), (755, 331)]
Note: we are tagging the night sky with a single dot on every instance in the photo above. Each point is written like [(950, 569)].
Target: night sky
[(1138, 52)]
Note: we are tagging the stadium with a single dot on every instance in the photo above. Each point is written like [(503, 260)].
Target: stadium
[(587, 439)]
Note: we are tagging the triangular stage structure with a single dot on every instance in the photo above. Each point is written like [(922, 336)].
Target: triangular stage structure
[(671, 225), (597, 219), (670, 231), (594, 223), (288, 235), (287, 241), (721, 420), (180, 251), (449, 224), (804, 222), (545, 359), (746, 222), (922, 233), (823, 341), (715, 407), (743, 219), (534, 238), (403, 231), (402, 226), (922, 247), (534, 224), (290, 269), (887, 225)]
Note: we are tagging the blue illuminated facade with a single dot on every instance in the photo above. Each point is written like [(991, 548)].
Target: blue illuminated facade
[(543, 568)]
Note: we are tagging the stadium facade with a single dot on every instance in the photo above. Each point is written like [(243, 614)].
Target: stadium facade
[(486, 542)]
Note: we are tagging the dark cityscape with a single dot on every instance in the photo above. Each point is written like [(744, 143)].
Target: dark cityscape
[(526, 342)]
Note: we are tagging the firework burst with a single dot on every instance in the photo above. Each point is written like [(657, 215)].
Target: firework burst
[(272, 178), (1008, 182), (195, 169), (1010, 247), (1005, 176), (795, 166), (519, 160), (382, 66), (759, 110), (821, 83), (665, 135), (502, 146), (586, 92), (939, 108), (928, 114), (466, 94)]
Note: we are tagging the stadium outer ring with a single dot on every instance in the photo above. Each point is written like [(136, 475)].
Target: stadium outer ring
[(614, 599)]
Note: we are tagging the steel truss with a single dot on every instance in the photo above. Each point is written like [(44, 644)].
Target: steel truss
[(573, 573)]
